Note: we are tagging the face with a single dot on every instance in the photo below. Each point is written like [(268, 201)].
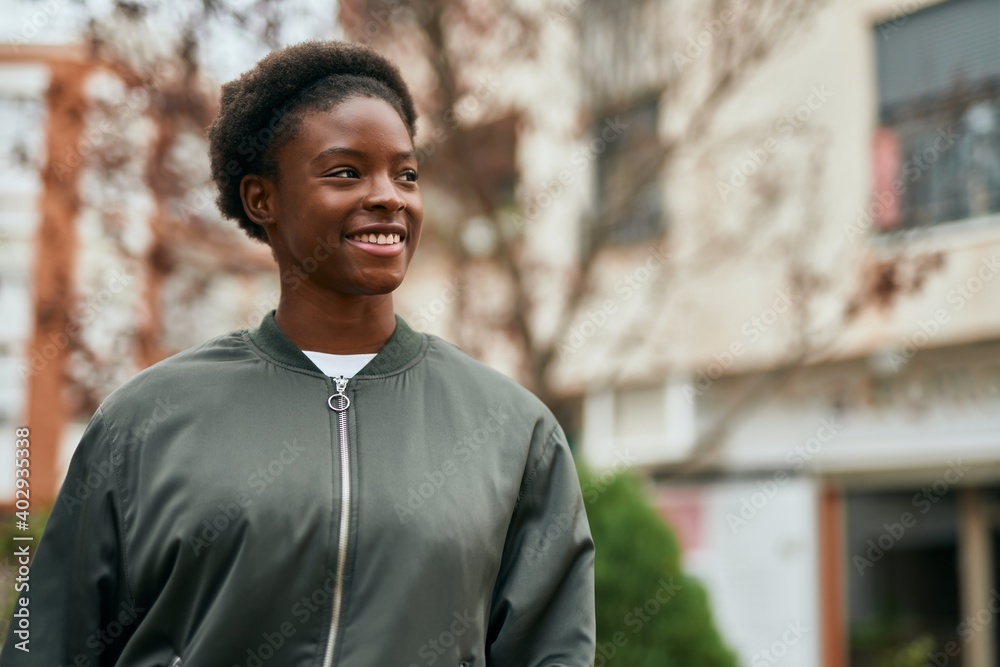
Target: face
[(344, 212)]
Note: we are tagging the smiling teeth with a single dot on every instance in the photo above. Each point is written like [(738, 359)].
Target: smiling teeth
[(378, 239)]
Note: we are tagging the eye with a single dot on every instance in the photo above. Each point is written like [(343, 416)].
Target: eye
[(410, 175), (344, 172)]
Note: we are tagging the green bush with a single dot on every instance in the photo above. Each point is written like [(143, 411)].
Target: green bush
[(913, 654), (649, 614)]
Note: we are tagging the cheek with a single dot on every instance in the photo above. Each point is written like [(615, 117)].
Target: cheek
[(415, 207), (321, 215), (416, 223)]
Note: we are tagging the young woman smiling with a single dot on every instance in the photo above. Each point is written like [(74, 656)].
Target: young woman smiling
[(330, 487)]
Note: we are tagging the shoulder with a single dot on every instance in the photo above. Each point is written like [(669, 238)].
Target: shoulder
[(473, 388), (184, 373), (473, 378)]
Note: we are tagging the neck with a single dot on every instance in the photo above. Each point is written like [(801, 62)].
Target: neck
[(321, 321)]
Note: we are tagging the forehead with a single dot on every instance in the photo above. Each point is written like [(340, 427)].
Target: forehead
[(365, 124)]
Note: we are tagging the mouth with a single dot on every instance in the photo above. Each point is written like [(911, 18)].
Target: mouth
[(380, 245), (376, 239)]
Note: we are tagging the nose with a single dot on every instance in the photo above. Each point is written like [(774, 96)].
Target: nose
[(384, 195)]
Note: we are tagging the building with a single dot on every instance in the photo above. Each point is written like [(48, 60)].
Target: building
[(821, 423)]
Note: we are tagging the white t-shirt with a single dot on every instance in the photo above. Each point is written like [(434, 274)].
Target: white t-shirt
[(337, 365)]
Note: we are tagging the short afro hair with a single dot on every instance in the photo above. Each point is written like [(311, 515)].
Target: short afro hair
[(262, 109)]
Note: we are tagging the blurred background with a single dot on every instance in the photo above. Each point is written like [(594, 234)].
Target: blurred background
[(746, 250)]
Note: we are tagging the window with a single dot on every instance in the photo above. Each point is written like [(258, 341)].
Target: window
[(623, 49), (936, 152), (904, 586), (629, 204)]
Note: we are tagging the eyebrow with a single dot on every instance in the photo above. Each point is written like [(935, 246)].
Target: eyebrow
[(340, 150)]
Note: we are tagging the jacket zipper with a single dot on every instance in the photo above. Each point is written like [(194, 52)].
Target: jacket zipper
[(345, 514)]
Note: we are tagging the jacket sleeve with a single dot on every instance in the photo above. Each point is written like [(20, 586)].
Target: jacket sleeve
[(543, 613), (79, 610)]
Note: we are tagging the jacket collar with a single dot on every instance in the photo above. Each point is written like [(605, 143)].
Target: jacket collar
[(402, 348)]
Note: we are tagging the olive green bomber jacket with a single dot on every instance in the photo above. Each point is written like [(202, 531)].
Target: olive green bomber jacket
[(233, 506)]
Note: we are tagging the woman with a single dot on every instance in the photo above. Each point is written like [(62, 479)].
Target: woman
[(331, 487)]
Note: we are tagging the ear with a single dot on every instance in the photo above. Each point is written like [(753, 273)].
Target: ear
[(259, 202)]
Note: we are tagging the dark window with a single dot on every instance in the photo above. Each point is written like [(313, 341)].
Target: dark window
[(629, 180), (902, 575), (936, 153)]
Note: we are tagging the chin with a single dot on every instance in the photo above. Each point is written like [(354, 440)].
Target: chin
[(385, 285)]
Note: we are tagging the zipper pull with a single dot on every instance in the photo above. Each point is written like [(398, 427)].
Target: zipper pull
[(345, 402)]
